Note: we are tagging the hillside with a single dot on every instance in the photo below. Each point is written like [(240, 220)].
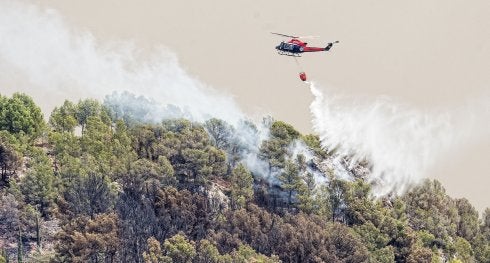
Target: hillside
[(103, 182)]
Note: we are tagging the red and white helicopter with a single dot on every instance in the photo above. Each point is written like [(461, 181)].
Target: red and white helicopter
[(296, 47)]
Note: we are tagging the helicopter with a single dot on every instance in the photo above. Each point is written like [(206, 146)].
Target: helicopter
[(295, 47)]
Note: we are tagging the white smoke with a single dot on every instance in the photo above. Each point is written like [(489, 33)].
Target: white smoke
[(56, 62), (51, 58), (400, 142), (297, 148)]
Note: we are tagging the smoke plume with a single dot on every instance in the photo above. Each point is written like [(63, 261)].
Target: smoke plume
[(401, 143), (50, 61), (53, 62)]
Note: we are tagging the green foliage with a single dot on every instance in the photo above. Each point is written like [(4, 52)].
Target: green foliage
[(274, 150), (485, 228), (290, 180), (338, 191), (313, 142), (283, 131), (220, 133), (419, 255), (9, 161), (429, 208), (122, 192), (208, 253), (20, 115), (90, 108), (241, 186), (463, 249), (372, 237), (64, 118), (322, 203), (39, 186), (188, 148), (306, 186), (426, 238), (469, 225), (179, 249), (246, 254), (383, 255), (144, 171)]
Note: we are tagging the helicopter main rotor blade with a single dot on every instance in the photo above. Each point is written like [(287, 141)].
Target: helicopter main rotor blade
[(303, 37), (279, 34), (308, 37)]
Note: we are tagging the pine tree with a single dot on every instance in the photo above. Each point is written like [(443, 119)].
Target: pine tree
[(241, 186), (290, 180)]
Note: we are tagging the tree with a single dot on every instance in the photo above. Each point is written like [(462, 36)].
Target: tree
[(234, 142), (206, 252), (463, 249), (220, 132), (94, 142), (429, 208), (481, 249), (143, 173), (188, 148), (469, 223), (180, 249), (419, 254), (122, 152), (345, 246), (485, 227), (154, 253), (64, 118), (137, 223), (241, 186), (9, 161), (338, 197), (89, 240), (20, 114), (359, 204), (274, 150), (376, 242), (39, 186), (290, 180), (182, 211), (246, 254), (87, 195), (144, 141), (313, 142), (90, 108), (322, 205), (306, 187)]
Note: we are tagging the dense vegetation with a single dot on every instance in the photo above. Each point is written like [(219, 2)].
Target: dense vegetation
[(94, 186)]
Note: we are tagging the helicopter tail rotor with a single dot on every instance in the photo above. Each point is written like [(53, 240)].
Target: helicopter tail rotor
[(330, 45)]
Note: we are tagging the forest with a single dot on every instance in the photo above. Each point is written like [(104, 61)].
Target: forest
[(97, 182)]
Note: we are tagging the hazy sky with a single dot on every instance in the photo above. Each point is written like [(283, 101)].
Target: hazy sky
[(431, 55)]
